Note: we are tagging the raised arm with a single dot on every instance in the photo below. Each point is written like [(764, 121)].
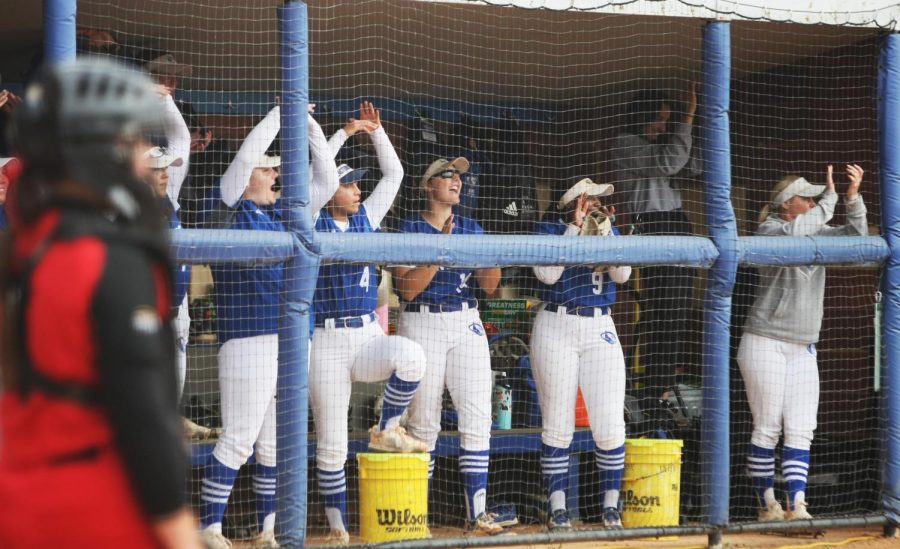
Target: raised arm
[(857, 224), (179, 140), (237, 176), (382, 198), (324, 180)]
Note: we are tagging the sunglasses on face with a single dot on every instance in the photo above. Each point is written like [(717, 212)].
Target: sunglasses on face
[(446, 174)]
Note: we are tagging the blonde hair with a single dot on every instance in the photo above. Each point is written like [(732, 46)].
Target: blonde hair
[(782, 184)]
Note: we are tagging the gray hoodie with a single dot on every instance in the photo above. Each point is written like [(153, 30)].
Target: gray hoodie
[(789, 300)]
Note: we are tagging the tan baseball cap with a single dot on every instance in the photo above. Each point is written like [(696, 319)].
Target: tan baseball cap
[(459, 164), (167, 65)]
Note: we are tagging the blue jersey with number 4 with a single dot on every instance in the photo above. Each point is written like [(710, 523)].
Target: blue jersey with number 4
[(345, 289), (577, 286), (450, 286)]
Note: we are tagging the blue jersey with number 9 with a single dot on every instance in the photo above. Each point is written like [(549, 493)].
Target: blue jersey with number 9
[(345, 289), (578, 286)]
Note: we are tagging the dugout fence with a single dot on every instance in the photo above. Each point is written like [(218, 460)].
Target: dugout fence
[(743, 119)]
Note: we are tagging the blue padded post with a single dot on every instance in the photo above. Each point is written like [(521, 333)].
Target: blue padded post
[(889, 140), (300, 279), (59, 30), (715, 89)]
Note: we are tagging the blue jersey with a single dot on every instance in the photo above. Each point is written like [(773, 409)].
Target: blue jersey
[(450, 286), (3, 223), (345, 289), (182, 274), (577, 286), (248, 298)]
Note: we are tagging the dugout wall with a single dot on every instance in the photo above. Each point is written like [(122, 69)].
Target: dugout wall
[(721, 252)]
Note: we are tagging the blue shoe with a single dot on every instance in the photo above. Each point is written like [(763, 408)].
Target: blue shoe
[(504, 514), (611, 518), (559, 520)]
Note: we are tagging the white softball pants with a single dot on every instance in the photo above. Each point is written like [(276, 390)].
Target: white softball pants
[(782, 381), (458, 356), (569, 352), (181, 325), (340, 356), (248, 374)]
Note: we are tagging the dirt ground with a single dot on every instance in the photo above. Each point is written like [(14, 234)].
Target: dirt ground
[(856, 538)]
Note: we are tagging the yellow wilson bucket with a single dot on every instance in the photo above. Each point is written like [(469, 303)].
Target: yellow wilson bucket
[(393, 496), (651, 487)]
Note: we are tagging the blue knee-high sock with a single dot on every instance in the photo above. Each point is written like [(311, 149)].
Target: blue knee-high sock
[(333, 489), (555, 469), (761, 465), (610, 464), (264, 489), (795, 468), (397, 395), (218, 480), (474, 468)]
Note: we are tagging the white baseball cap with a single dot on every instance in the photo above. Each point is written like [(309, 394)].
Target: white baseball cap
[(268, 161), (797, 187), (159, 157), (584, 186), (459, 164)]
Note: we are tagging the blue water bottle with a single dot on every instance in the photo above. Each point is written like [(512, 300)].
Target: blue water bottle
[(501, 404)]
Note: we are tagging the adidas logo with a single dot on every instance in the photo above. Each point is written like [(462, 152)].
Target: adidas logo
[(511, 210)]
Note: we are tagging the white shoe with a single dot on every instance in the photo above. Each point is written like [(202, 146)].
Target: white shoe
[(266, 538), (395, 440), (484, 523), (799, 512), (773, 512), (337, 537), (214, 539)]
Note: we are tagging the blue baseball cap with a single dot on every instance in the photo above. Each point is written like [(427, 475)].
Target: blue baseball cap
[(348, 175)]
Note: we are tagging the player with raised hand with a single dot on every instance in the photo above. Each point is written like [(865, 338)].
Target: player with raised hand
[(348, 344), (439, 311), (248, 308), (777, 354), (574, 344), (168, 167)]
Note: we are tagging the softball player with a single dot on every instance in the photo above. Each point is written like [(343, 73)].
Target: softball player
[(168, 169), (348, 344), (440, 312), (248, 306), (574, 344), (777, 354)]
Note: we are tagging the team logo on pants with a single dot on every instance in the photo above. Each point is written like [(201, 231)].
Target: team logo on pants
[(609, 337), (476, 329), (811, 349)]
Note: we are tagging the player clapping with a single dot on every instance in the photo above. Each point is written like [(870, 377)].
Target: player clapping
[(439, 311), (777, 354), (575, 344)]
